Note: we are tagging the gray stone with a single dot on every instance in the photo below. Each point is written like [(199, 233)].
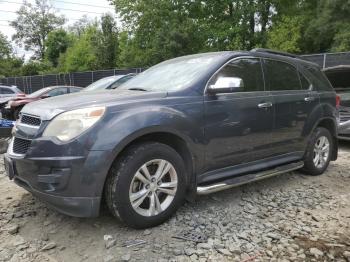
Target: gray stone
[(147, 232), (12, 229), (225, 252), (189, 251), (177, 252), (316, 252), (48, 246), (126, 257), (108, 258)]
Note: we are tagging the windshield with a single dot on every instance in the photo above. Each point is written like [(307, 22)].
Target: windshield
[(39, 92), (173, 75), (102, 83)]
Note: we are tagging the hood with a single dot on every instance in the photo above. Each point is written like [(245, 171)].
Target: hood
[(50, 107)]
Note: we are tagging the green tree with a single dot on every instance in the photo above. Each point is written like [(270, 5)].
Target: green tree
[(9, 64), (107, 46), (33, 23), (81, 56), (286, 35), (57, 43), (5, 47)]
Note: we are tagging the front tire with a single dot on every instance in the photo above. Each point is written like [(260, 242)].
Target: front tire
[(146, 185), (318, 153)]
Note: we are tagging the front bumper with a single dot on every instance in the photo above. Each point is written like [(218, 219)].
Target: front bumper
[(72, 185)]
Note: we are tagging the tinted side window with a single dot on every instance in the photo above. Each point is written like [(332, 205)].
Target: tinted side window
[(74, 90), (281, 76), (305, 84), (57, 92), (248, 69), (7, 91), (120, 81)]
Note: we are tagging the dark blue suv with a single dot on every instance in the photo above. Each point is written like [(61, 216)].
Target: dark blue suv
[(191, 125)]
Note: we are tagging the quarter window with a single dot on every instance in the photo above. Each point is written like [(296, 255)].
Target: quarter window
[(305, 84), (248, 69), (281, 76)]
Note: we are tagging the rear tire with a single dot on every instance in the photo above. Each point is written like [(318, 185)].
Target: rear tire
[(140, 196), (318, 153)]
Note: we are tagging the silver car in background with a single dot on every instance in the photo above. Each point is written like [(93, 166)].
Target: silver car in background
[(111, 82), (339, 76)]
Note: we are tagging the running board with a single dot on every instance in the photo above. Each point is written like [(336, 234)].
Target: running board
[(244, 179)]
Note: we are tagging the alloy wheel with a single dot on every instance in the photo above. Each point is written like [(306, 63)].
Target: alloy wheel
[(153, 187), (321, 152)]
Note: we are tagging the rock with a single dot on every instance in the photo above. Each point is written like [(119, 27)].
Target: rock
[(147, 232), (177, 252), (273, 236), (224, 251), (347, 255), (108, 258), (5, 255), (189, 251), (204, 246), (109, 241), (125, 257), (12, 229), (194, 257), (316, 252), (48, 246)]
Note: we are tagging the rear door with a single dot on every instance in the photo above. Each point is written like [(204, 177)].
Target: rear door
[(293, 101), (238, 125)]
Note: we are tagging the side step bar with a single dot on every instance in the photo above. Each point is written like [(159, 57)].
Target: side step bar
[(244, 179)]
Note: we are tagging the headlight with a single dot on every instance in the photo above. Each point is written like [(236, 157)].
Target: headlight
[(71, 124)]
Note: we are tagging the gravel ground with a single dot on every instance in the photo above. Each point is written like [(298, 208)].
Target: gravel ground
[(291, 217)]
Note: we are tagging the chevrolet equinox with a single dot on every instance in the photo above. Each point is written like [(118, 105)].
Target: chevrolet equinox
[(191, 125)]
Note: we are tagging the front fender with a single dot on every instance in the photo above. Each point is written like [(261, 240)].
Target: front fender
[(123, 127)]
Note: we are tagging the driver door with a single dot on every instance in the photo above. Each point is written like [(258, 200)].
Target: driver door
[(238, 124)]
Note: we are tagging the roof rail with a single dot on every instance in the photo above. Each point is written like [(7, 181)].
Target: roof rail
[(270, 51)]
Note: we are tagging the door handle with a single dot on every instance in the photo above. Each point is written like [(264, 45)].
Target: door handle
[(309, 99), (265, 105)]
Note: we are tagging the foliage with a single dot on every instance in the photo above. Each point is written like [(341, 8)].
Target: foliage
[(57, 43), (286, 35), (33, 24), (153, 31)]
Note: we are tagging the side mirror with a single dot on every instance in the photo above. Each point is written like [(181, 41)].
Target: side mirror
[(227, 85), (45, 96)]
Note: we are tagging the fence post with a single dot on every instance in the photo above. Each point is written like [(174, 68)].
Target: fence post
[(324, 60)]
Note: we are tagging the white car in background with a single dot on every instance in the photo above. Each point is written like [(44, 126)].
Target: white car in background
[(111, 82)]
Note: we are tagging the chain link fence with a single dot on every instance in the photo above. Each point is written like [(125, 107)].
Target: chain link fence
[(30, 84), (329, 59)]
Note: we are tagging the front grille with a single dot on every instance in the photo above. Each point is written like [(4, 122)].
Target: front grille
[(30, 120), (20, 146), (344, 116)]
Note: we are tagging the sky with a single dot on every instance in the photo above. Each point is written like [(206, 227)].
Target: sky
[(91, 8)]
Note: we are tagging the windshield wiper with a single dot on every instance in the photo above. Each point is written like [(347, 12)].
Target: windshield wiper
[(137, 89)]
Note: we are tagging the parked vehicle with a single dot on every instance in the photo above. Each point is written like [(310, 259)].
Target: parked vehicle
[(194, 124), (9, 91), (339, 76), (15, 105), (111, 82)]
